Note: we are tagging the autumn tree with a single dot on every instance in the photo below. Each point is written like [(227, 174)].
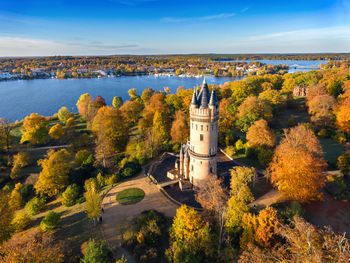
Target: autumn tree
[(64, 114), (131, 111), (260, 229), (190, 238), (117, 102), (93, 200), (53, 177), (111, 134), (302, 242), (133, 94), (16, 201), (251, 110), (35, 129), (298, 165), (147, 93), (240, 196), (212, 196), (56, 131), (179, 129), (93, 108), (6, 216), (83, 103), (272, 96), (5, 133), (260, 135), (20, 160), (321, 110), (342, 113), (32, 246)]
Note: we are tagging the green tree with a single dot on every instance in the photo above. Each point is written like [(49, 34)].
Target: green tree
[(35, 206), (53, 177), (50, 221), (21, 221), (240, 196), (97, 252), (251, 110), (70, 195)]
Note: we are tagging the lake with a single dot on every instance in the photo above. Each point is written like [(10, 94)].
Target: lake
[(19, 98), (294, 65)]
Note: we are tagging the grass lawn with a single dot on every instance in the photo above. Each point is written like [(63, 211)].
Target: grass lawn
[(130, 196), (332, 150)]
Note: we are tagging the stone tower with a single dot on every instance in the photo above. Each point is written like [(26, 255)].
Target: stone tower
[(203, 144)]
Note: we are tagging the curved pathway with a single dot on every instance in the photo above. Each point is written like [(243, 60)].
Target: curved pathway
[(116, 216)]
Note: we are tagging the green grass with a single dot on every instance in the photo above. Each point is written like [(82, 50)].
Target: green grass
[(130, 196), (332, 149)]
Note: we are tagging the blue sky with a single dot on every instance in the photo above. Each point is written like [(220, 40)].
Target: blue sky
[(102, 27)]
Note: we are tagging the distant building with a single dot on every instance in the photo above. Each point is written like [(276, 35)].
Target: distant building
[(197, 160)]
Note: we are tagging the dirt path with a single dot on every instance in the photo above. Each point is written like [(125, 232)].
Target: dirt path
[(116, 216)]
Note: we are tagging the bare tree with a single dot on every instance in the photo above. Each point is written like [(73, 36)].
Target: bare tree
[(213, 197)]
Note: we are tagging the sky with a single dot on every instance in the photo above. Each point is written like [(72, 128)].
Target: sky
[(108, 27)]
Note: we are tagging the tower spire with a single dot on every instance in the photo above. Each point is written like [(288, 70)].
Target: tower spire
[(194, 97), (213, 98), (204, 95)]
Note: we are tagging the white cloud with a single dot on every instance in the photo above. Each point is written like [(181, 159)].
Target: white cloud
[(20, 46), (198, 18)]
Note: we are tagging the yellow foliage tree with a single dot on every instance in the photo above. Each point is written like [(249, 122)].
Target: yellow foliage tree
[(53, 177), (93, 200), (34, 129), (111, 133), (190, 239), (16, 200), (56, 131), (83, 103)]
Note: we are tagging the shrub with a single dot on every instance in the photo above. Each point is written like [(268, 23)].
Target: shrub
[(100, 180), (239, 145), (143, 236), (70, 122), (340, 137), (323, 133), (35, 205), (70, 195), (21, 221), (64, 114), (130, 169), (27, 192), (265, 156), (50, 221), (230, 151), (292, 210), (112, 179), (291, 122), (97, 252), (83, 158)]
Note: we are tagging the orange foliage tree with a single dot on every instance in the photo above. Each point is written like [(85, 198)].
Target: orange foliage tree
[(259, 134), (179, 129), (298, 165), (342, 114)]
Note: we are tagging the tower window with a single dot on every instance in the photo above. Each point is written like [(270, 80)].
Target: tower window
[(191, 167), (201, 137), (201, 127), (207, 127), (196, 127)]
